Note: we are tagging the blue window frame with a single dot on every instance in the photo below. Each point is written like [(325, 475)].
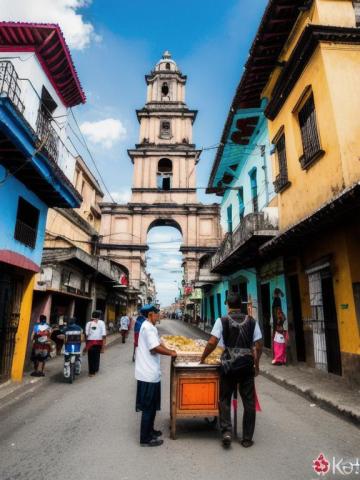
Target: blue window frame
[(229, 218), (241, 203), (254, 189)]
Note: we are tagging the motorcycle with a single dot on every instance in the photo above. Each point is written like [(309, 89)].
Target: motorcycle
[(72, 355)]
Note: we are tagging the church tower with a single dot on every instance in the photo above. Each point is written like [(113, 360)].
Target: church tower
[(165, 158), (164, 186)]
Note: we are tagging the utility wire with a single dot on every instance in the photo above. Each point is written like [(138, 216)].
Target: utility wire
[(90, 154)]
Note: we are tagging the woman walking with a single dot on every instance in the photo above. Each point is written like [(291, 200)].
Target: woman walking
[(95, 334)]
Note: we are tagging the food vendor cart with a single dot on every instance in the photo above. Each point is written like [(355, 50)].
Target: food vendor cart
[(194, 387)]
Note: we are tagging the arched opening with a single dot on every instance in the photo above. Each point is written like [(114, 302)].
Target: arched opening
[(165, 89), (164, 263), (164, 174), (167, 66)]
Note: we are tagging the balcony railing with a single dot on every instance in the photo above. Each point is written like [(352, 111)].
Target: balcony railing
[(10, 84), (281, 182), (48, 138), (25, 234), (252, 224)]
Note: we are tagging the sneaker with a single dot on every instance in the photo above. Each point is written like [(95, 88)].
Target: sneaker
[(247, 443), (154, 442), (34, 374), (226, 439), (156, 433)]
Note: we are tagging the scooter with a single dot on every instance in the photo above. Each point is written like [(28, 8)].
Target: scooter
[(72, 365)]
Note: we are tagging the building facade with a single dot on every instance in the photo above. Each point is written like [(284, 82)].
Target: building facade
[(164, 183), (74, 280), (36, 166)]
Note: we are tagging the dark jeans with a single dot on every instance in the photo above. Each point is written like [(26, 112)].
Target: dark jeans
[(147, 425), (247, 392), (94, 358)]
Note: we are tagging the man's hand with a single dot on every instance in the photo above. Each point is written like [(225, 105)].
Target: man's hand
[(102, 349), (173, 353), (256, 368), (84, 351)]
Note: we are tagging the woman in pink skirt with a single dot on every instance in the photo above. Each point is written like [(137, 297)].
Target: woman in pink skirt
[(280, 342)]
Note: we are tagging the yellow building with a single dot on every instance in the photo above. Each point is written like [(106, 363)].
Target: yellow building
[(311, 85)]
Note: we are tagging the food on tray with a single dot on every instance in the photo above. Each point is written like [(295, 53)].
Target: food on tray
[(190, 350)]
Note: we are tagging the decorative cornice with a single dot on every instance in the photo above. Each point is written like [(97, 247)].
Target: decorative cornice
[(189, 249), (77, 220), (309, 40), (157, 190), (118, 246)]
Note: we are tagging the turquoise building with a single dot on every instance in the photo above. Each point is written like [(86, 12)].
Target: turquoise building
[(241, 175)]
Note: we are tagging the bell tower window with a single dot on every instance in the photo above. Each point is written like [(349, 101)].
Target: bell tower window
[(165, 89), (165, 129), (164, 174), (167, 66)]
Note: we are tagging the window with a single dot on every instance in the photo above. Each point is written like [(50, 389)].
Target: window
[(254, 189), (229, 218), (241, 203), (165, 129), (165, 89), (164, 175), (309, 133), (167, 66), (281, 181), (27, 219)]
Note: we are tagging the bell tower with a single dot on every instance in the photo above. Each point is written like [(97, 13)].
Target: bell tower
[(165, 158), (164, 185)]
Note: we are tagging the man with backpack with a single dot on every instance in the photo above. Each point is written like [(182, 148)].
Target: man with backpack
[(242, 339)]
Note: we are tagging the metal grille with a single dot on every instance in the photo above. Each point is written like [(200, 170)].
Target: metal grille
[(309, 133), (318, 324), (25, 234), (9, 84), (47, 134), (281, 154)]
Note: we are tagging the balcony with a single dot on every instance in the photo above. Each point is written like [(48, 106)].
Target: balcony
[(241, 247), (26, 128), (281, 183)]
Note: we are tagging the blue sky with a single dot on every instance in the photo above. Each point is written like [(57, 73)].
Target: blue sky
[(114, 43)]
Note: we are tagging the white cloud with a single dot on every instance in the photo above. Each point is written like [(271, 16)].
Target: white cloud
[(104, 132), (77, 32), (122, 196)]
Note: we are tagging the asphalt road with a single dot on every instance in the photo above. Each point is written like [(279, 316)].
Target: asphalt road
[(90, 430)]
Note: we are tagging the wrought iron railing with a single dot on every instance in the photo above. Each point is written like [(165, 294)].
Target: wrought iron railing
[(25, 234), (281, 182), (49, 139), (250, 224), (10, 85)]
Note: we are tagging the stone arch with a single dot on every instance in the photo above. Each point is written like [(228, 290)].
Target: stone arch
[(165, 222)]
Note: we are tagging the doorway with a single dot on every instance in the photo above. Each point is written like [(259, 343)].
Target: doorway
[(266, 313), (297, 318)]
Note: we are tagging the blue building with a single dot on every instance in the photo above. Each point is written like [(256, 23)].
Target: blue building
[(35, 168), (241, 175)]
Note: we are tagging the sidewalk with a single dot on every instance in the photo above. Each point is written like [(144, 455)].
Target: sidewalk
[(323, 389), (13, 391)]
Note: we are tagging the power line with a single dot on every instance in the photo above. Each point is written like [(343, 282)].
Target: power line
[(90, 154)]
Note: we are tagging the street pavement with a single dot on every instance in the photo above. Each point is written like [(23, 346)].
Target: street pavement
[(90, 430)]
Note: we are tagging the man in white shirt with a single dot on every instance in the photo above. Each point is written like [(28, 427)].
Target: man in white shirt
[(95, 335), (241, 336), (148, 376), (124, 327)]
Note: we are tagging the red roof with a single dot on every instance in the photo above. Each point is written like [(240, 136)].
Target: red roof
[(48, 42)]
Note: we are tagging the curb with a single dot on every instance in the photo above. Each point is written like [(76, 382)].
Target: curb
[(320, 400)]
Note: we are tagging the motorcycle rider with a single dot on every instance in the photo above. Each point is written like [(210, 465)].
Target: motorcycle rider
[(73, 336)]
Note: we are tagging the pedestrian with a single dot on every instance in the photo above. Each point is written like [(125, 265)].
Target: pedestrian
[(137, 326), (95, 335), (148, 376), (280, 341), (124, 327), (276, 306), (41, 346), (241, 336)]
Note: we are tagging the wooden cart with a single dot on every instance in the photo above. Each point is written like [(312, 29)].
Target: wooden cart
[(194, 392)]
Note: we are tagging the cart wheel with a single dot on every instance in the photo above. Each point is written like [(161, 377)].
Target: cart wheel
[(211, 421)]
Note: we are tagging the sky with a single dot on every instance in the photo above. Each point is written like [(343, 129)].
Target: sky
[(114, 43)]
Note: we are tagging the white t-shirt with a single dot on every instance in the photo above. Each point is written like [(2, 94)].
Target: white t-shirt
[(217, 332), (124, 322), (95, 330), (147, 364)]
